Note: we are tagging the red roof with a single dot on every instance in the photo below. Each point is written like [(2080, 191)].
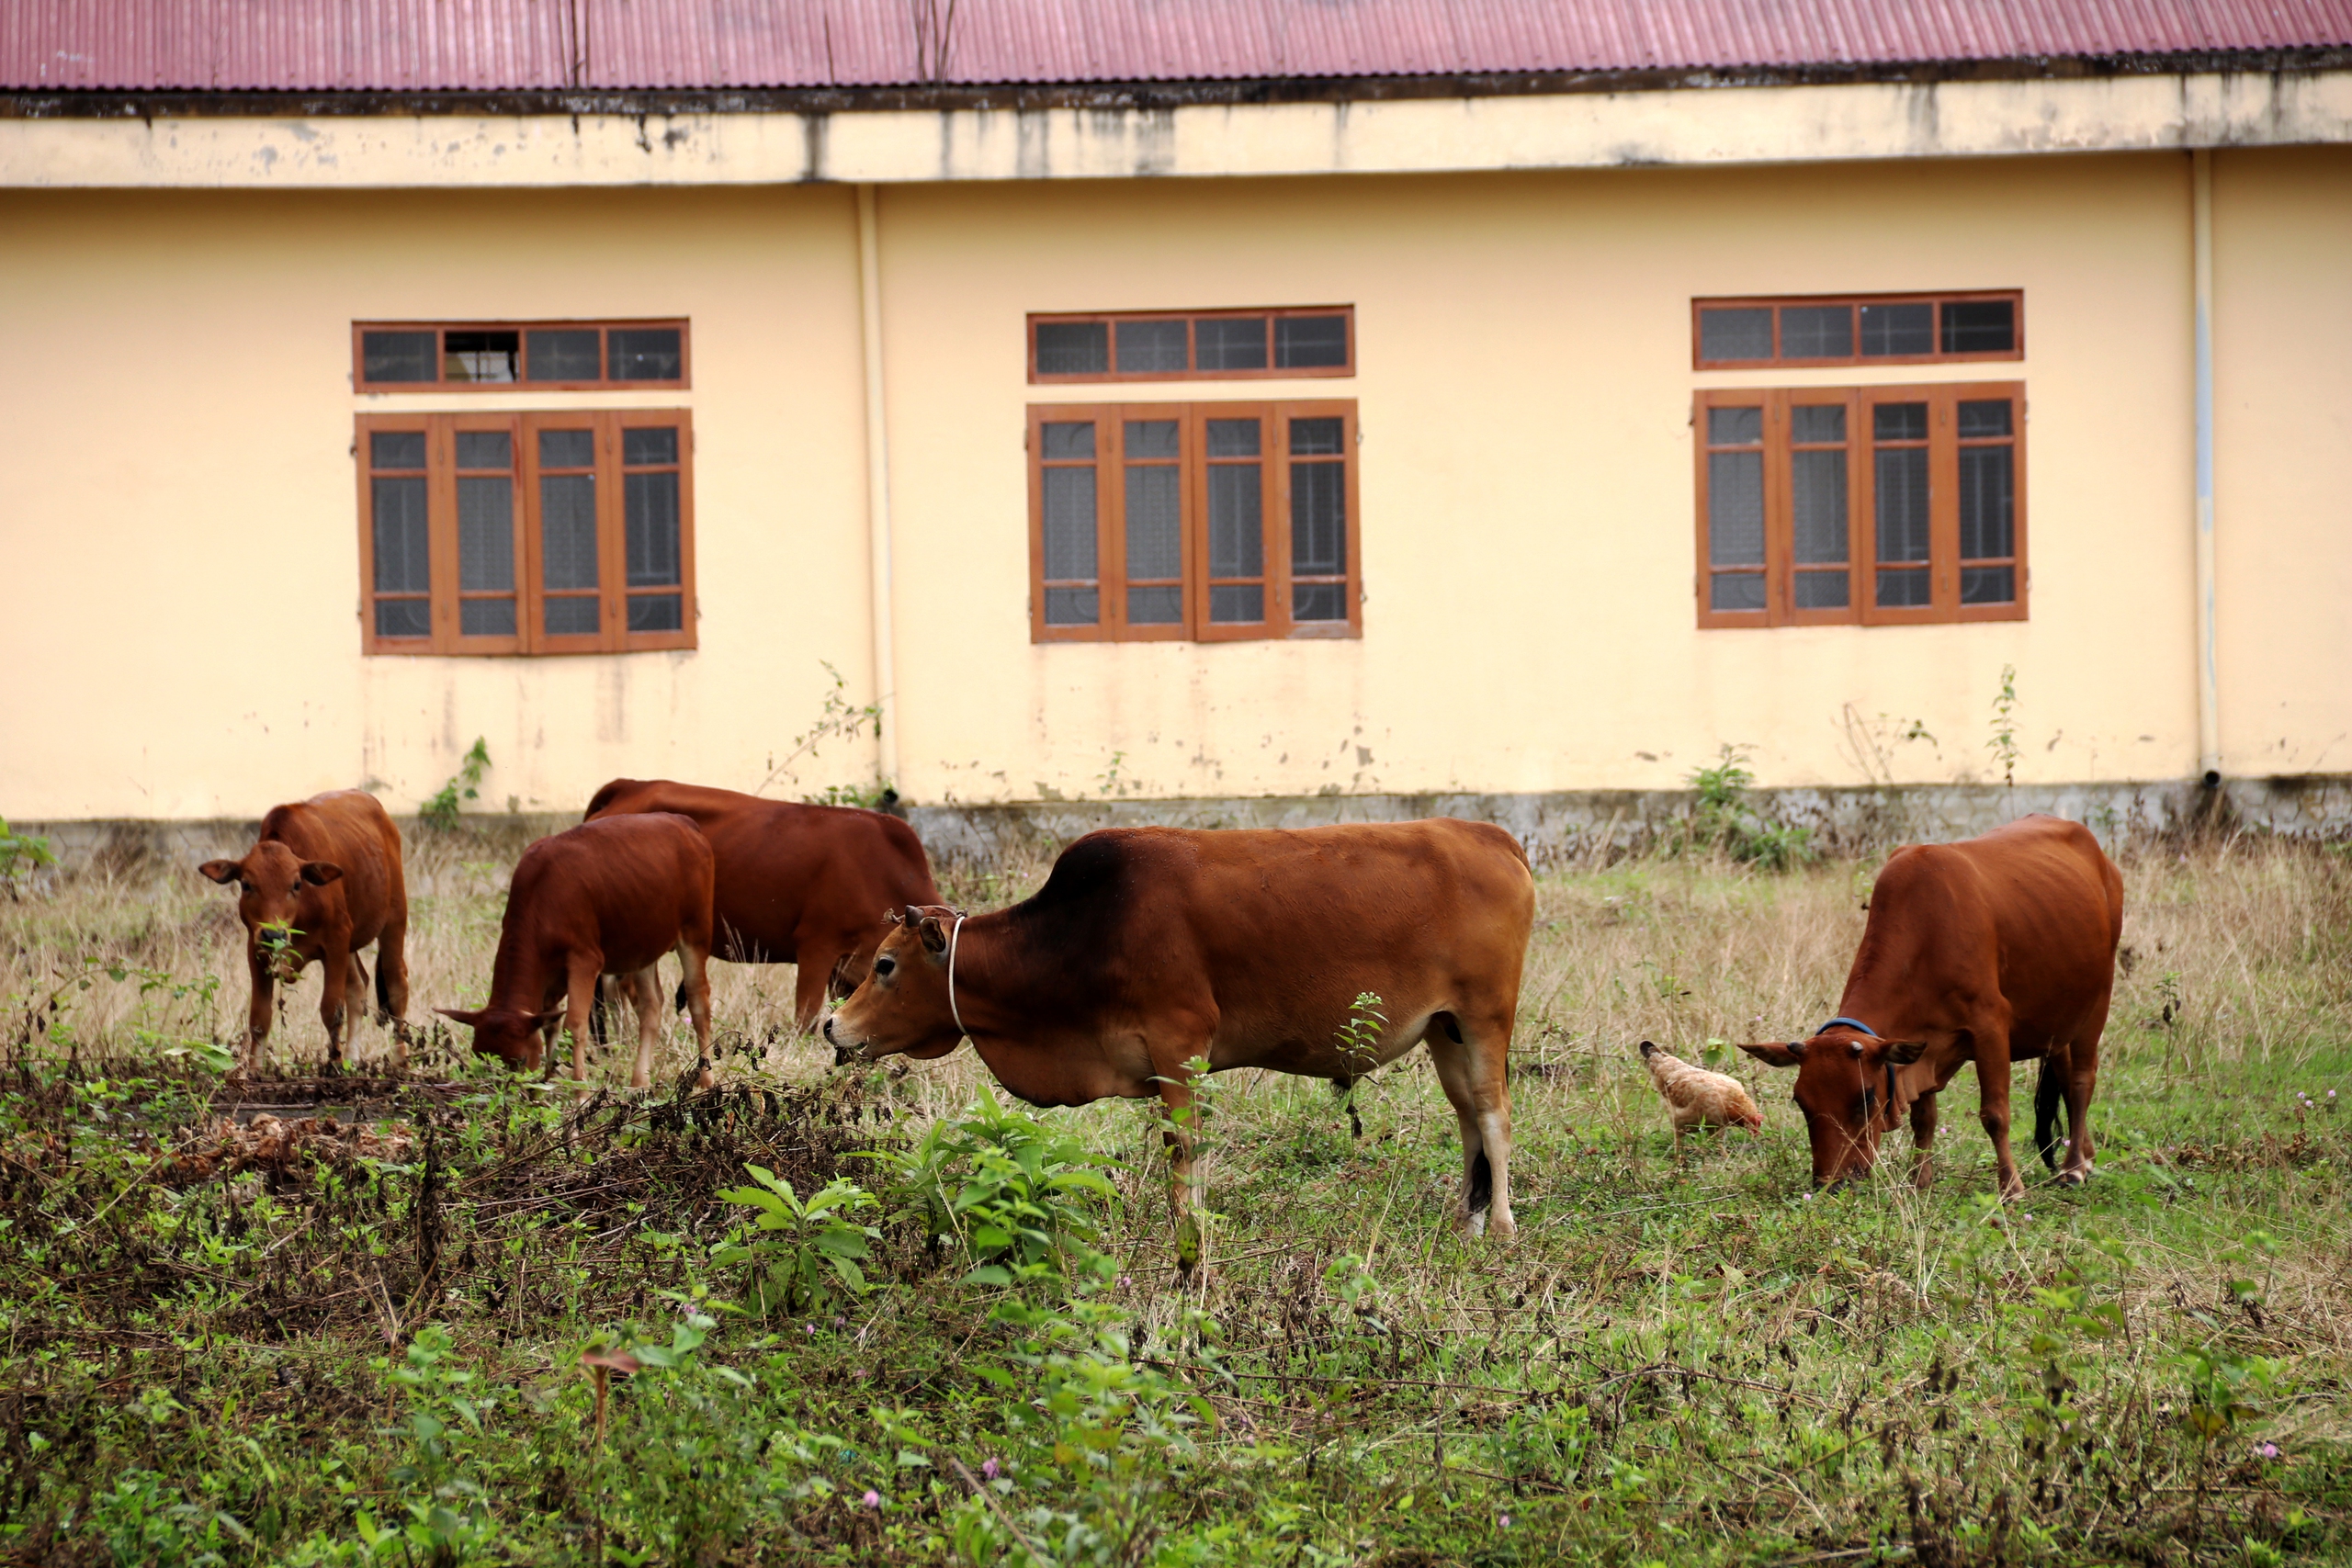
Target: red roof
[(560, 45)]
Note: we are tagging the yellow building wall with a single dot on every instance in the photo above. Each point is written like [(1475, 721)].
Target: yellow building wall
[(177, 501), (2282, 461)]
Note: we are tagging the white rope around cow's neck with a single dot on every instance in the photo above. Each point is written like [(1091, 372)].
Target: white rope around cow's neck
[(953, 931)]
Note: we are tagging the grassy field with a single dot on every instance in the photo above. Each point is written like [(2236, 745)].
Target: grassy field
[(367, 1346)]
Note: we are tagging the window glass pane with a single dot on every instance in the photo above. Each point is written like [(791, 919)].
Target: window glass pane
[(1745, 333), (1151, 438), (1817, 496), (564, 353), (1233, 438), (567, 449), (486, 534), (1310, 343), (1230, 343), (1237, 526), (1069, 525), (568, 531), (646, 354), (1736, 508), (1069, 440), (1318, 602), (486, 617), (1822, 591), (396, 449), (1816, 331), (403, 617), (1073, 606), (1899, 422), (657, 612), (1316, 437), (1813, 425), (1898, 329), (1155, 606), (1980, 326), (576, 616), (1906, 589), (1988, 585), (1073, 348), (1734, 427), (1736, 590), (1902, 505), (1145, 347), (647, 447), (399, 356), (481, 356), (1988, 503), (650, 508), (485, 449), (1318, 519), (1979, 419), (403, 564), (1155, 524), (1239, 602)]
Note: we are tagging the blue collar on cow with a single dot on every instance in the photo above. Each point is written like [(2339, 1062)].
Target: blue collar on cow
[(1849, 1023), (1893, 1100)]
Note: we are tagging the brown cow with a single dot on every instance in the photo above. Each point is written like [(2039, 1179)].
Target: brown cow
[(607, 898), (1149, 946), (796, 884), (1995, 950), (323, 881)]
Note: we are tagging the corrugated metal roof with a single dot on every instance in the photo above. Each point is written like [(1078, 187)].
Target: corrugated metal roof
[(553, 45)]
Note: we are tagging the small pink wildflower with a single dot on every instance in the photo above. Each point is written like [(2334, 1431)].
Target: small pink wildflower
[(990, 1468), (872, 1499), (2265, 1451)]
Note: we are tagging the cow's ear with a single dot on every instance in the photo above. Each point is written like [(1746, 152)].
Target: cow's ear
[(1902, 1053), (934, 934), (222, 870), (1777, 1053), (319, 873)]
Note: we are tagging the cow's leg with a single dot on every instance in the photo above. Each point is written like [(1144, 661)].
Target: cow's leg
[(1923, 1139), (1177, 1100), (1471, 1055), (695, 960), (334, 984), (2082, 1081), (579, 996), (392, 983), (812, 983), (643, 988), (263, 1007), (1991, 1041)]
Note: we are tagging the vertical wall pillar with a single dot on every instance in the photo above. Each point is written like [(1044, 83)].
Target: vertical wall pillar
[(877, 485), (2209, 692)]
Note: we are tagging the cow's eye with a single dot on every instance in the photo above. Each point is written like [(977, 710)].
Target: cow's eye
[(882, 967)]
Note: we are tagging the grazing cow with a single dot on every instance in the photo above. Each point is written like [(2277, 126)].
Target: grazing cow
[(323, 881), (1150, 946), (796, 884), (608, 898), (1998, 948)]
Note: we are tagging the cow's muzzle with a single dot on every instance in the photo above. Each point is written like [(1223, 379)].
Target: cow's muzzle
[(842, 1054)]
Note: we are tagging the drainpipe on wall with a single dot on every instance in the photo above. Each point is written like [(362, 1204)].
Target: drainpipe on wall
[(2208, 695), (878, 486)]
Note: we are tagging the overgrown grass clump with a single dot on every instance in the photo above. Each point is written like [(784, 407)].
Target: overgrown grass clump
[(880, 1316)]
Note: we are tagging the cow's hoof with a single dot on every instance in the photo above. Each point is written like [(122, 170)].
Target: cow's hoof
[(2071, 1178)]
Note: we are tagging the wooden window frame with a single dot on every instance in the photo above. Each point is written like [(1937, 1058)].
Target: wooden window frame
[(2015, 351), (1111, 320), (601, 383), (1110, 489), (1943, 445), (530, 639)]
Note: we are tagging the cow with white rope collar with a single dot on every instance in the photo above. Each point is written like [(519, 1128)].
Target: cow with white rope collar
[(1149, 947)]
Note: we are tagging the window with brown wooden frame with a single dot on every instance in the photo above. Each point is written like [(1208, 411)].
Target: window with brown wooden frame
[(1194, 522), (1875, 505), (552, 356), (1194, 346), (526, 533), (1857, 328)]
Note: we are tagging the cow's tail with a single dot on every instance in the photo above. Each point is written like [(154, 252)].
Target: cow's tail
[(2049, 1094), (383, 987)]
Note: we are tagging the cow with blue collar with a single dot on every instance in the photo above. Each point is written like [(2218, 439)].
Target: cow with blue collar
[(1995, 950)]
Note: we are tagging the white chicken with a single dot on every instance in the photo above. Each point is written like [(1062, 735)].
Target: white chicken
[(1697, 1097)]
